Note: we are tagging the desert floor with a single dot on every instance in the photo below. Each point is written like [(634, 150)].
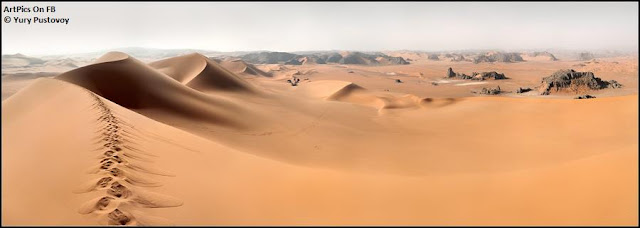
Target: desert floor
[(199, 144)]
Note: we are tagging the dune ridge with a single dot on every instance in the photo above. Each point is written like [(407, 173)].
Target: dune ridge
[(239, 66), (344, 91), (202, 74), (135, 85)]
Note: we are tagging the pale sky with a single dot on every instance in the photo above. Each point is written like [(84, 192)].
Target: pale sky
[(299, 26)]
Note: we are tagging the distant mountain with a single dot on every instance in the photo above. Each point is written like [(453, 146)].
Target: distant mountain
[(358, 58), (542, 55), (498, 57), (20, 60), (269, 57)]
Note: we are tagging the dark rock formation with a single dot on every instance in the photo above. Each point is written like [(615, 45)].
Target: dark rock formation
[(458, 58), (398, 81), (450, 73), (586, 96), (614, 84), (433, 57), (490, 91), (571, 81), (489, 75), (476, 76), (544, 53), (481, 59), (396, 60), (498, 57), (523, 90)]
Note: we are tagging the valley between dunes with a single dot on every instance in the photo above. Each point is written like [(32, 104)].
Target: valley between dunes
[(200, 144)]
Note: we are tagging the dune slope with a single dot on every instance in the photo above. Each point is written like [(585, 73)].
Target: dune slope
[(135, 85), (200, 73)]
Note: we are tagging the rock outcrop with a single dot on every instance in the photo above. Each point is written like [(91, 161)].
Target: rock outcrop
[(396, 60), (543, 54), (475, 75), (523, 90), (488, 75), (586, 96), (498, 57), (569, 80), (489, 91), (457, 57), (450, 73), (614, 84), (433, 57)]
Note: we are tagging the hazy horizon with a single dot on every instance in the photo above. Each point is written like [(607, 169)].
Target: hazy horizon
[(325, 26), (130, 50)]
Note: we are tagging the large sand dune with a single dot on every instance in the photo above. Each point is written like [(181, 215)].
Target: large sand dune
[(190, 142), (241, 67), (200, 73), (135, 85)]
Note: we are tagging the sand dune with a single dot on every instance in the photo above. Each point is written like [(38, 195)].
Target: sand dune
[(186, 141), (200, 73), (135, 85), (241, 67), (356, 94), (182, 68), (343, 91)]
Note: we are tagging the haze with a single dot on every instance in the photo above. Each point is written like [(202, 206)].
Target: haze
[(326, 26)]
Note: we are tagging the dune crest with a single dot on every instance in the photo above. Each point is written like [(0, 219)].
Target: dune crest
[(239, 66), (182, 68), (133, 84), (343, 91), (202, 74), (112, 57)]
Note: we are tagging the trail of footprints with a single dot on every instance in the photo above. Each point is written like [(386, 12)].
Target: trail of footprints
[(122, 172)]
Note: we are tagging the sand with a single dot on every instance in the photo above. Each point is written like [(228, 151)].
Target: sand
[(200, 144)]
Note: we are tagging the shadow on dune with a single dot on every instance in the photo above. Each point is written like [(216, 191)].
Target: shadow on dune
[(132, 84)]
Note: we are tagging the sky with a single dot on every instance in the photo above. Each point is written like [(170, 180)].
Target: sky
[(304, 26)]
